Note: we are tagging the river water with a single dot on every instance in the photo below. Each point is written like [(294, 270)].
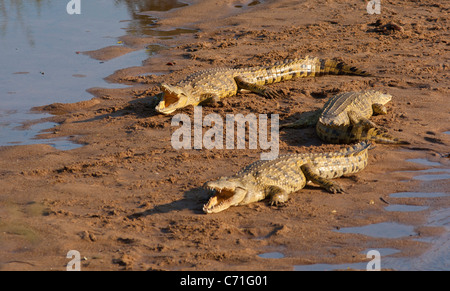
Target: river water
[(41, 63)]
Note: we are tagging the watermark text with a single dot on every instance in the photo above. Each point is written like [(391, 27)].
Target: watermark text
[(374, 7), (375, 263), (75, 263), (213, 138), (73, 7)]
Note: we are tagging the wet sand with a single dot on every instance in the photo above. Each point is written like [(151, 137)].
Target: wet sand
[(128, 200)]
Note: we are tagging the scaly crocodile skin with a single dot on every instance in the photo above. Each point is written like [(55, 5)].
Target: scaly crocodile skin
[(345, 118), (276, 179), (216, 84)]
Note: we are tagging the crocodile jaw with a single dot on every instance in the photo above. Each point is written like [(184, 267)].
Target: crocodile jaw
[(223, 198), (173, 99)]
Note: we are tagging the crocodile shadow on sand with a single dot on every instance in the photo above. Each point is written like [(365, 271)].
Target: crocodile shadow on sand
[(193, 200), (305, 136), (140, 108)]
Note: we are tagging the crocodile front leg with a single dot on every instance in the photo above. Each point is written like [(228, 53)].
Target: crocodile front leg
[(379, 109), (255, 88), (209, 99), (277, 195), (311, 175)]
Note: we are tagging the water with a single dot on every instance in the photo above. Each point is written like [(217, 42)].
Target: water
[(405, 208), (417, 195), (331, 267), (440, 173), (384, 252), (246, 4), (442, 176), (41, 64), (272, 255), (438, 256), (423, 162), (382, 230)]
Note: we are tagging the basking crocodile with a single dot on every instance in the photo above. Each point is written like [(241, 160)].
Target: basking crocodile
[(215, 84), (276, 179), (345, 118)]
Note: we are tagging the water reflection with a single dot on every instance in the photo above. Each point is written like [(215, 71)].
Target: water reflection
[(40, 44), (13, 15), (143, 24), (151, 5), (383, 230), (15, 9)]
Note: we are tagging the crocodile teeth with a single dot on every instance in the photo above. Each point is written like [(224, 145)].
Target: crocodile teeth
[(221, 198)]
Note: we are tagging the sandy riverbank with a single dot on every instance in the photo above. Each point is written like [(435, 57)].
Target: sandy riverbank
[(129, 200)]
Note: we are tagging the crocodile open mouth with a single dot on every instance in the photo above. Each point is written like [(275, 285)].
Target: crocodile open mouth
[(173, 98), (170, 99), (221, 200), (169, 103)]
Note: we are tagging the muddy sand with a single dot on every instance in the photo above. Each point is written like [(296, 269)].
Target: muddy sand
[(127, 200)]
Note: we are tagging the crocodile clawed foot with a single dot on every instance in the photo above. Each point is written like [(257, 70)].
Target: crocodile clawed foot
[(271, 93), (278, 204), (214, 104), (336, 189)]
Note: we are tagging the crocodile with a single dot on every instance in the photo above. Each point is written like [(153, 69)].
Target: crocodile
[(276, 179), (212, 85), (345, 118)]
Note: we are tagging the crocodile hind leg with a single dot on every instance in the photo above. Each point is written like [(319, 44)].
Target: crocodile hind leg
[(255, 88), (311, 175), (381, 136), (364, 129), (358, 120), (359, 128)]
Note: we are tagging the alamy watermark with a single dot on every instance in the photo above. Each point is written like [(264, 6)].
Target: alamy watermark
[(375, 263), (75, 263), (73, 7), (374, 7), (213, 138)]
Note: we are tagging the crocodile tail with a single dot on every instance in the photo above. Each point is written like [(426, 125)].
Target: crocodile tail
[(308, 119), (332, 67), (380, 136), (359, 147)]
